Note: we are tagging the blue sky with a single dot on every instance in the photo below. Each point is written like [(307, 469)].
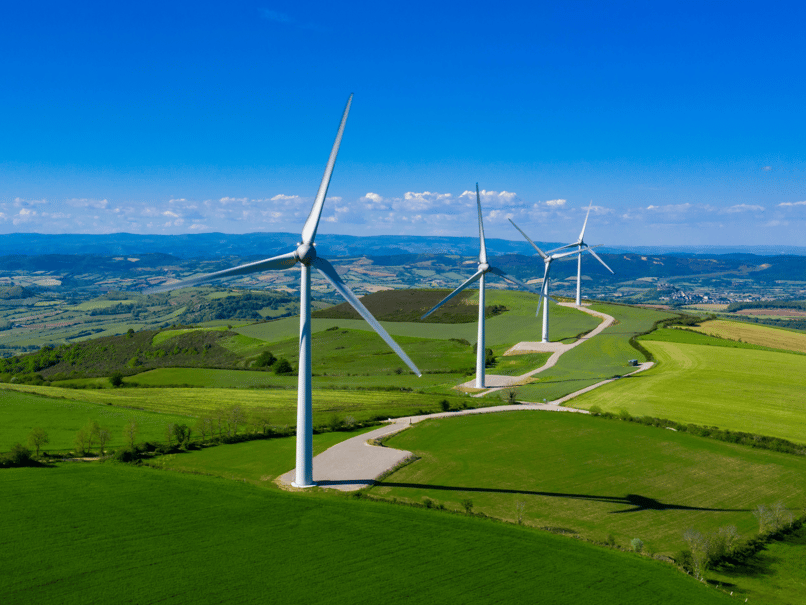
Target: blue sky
[(682, 121)]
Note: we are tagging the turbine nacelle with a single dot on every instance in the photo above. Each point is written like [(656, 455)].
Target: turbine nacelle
[(484, 267), (305, 253)]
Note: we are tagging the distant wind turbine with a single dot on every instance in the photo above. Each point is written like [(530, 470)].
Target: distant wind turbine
[(483, 269), (547, 260), (581, 246), (305, 255)]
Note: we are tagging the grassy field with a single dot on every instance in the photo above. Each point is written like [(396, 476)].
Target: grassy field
[(111, 533), (62, 419), (596, 359), (257, 462), (732, 388), (775, 576), (362, 405), (593, 476), (766, 336), (516, 325)]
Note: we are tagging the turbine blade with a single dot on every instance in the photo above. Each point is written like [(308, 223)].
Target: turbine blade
[(564, 254), (284, 261), (550, 252), (482, 245), (309, 230), (585, 224), (469, 282), (596, 256), (326, 269), (539, 251), (514, 280)]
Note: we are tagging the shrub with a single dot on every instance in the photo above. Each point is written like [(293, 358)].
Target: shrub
[(19, 455), (595, 410), (429, 503), (265, 359), (283, 366), (116, 379), (637, 544), (467, 503), (445, 405)]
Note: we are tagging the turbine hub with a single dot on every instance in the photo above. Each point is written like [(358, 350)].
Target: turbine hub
[(305, 253), (483, 266)]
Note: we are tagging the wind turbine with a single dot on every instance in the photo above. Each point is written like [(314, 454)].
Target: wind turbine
[(305, 255), (547, 260), (581, 245), (483, 269)]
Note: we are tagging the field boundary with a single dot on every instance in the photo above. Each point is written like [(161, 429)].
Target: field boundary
[(557, 349)]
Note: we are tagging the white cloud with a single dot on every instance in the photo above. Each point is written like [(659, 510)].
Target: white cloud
[(88, 203), (767, 168), (670, 208), (171, 214), (744, 208), (556, 203), (789, 204), (23, 203), (233, 200), (198, 227)]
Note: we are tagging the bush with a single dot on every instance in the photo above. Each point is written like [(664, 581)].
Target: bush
[(116, 379), (595, 410), (637, 544), (445, 405), (19, 455), (264, 360), (283, 366), (467, 503)]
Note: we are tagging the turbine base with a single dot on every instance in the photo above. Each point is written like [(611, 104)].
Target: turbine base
[(295, 484)]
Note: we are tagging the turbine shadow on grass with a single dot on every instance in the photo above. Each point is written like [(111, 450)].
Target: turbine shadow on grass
[(636, 501)]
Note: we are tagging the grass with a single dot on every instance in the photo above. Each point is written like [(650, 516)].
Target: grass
[(695, 337), (161, 337), (593, 476), (362, 405), (738, 389), (775, 576), (141, 535), (766, 336), (62, 419), (516, 325), (257, 462), (596, 359)]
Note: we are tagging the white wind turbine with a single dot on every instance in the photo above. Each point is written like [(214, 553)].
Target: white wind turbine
[(305, 255), (483, 269), (547, 260), (581, 246)]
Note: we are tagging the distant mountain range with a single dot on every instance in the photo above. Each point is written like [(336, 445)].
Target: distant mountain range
[(215, 245)]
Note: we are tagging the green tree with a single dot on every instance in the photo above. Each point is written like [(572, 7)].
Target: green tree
[(130, 433), (116, 379), (265, 360), (37, 438), (104, 435)]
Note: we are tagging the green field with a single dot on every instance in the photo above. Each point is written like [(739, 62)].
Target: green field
[(593, 476), (775, 576), (596, 359), (732, 388), (63, 418), (362, 405), (112, 533), (516, 325), (257, 462)]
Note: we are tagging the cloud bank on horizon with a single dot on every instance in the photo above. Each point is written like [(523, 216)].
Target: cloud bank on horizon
[(412, 213)]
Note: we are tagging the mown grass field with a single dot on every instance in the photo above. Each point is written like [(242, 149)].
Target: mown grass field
[(361, 405), (596, 359), (257, 462), (62, 419), (766, 336), (112, 533), (516, 325), (732, 388), (593, 476)]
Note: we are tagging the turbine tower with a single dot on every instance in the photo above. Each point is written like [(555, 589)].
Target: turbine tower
[(581, 246), (483, 268), (547, 260), (305, 255)]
